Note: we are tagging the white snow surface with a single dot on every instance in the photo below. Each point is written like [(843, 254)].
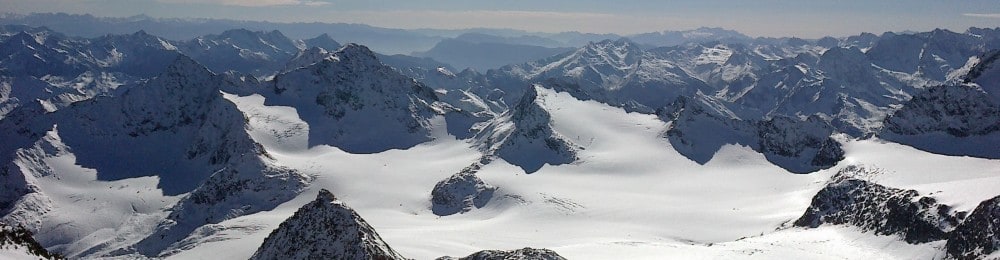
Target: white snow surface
[(629, 196)]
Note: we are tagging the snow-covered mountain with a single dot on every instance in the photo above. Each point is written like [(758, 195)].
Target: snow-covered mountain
[(699, 128), (615, 72), (128, 148), (461, 192), (325, 228), (916, 218), (17, 243), (957, 118), (879, 209), (258, 53), (524, 136), (176, 127), (979, 234), (354, 102)]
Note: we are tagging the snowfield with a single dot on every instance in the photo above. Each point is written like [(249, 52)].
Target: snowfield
[(137, 147), (629, 196)]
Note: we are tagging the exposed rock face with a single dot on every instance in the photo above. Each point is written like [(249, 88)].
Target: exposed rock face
[(354, 102), (461, 192), (325, 229), (20, 239), (959, 111), (526, 253), (524, 137), (700, 127), (176, 126), (879, 209), (979, 234), (950, 119), (806, 140), (616, 72), (260, 53)]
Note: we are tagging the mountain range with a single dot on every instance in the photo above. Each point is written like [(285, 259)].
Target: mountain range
[(706, 143)]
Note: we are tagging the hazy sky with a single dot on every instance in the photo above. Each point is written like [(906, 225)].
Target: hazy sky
[(754, 17)]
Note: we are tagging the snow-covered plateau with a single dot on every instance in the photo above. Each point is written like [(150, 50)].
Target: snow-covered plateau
[(250, 145)]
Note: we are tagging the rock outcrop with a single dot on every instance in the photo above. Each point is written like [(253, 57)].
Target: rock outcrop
[(325, 228), (526, 253), (879, 209), (979, 234)]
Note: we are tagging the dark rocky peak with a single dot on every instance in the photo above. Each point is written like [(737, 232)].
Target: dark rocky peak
[(524, 136), (323, 41), (273, 42), (986, 61), (23, 38), (959, 111), (21, 239), (242, 35), (309, 56), (36, 55), (843, 59), (797, 42), (526, 106), (325, 228), (186, 77), (829, 42), (358, 104), (979, 235), (849, 199), (799, 146), (137, 39), (986, 74), (897, 52), (949, 119), (280, 41), (461, 192), (356, 54)]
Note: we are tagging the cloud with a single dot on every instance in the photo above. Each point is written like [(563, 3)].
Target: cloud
[(250, 3), (983, 15)]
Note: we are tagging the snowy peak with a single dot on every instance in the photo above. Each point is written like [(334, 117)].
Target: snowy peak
[(524, 136), (620, 53), (259, 53), (138, 54), (325, 228), (700, 127), (33, 54), (949, 119), (986, 74), (356, 103), (307, 57), (184, 83), (357, 56)]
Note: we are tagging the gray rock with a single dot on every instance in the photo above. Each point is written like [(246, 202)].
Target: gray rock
[(879, 209), (325, 229), (979, 234), (526, 253), (460, 193)]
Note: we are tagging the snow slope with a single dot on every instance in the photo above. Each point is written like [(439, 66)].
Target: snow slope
[(635, 195)]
